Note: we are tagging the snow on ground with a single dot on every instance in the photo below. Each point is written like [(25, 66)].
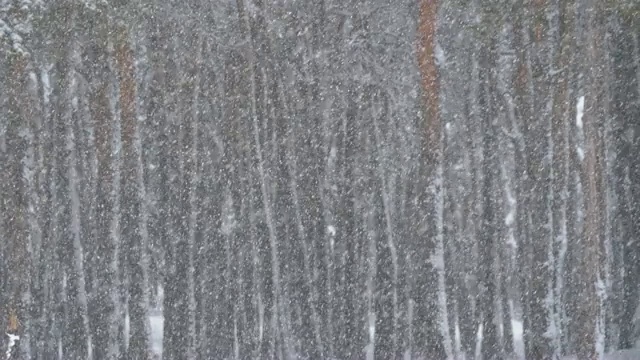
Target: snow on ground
[(12, 342), (157, 321), (633, 354), (518, 344)]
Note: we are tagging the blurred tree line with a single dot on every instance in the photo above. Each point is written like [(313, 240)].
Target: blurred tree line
[(320, 179)]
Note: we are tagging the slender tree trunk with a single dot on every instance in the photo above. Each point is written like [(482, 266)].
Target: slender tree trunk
[(134, 227), (490, 229), (589, 344), (430, 333), (15, 309), (75, 333), (103, 307), (627, 106), (257, 116)]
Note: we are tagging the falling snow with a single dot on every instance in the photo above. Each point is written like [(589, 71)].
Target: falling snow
[(320, 179)]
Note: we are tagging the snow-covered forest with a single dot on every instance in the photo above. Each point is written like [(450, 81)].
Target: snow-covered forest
[(319, 179)]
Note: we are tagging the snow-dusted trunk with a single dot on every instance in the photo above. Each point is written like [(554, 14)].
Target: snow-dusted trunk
[(506, 134), (257, 115), (438, 260), (77, 273), (20, 236), (432, 337), (196, 203), (519, 112), (273, 236), (490, 224), (636, 56), (104, 302), (134, 226), (561, 137), (575, 204), (626, 99), (609, 272), (208, 220), (454, 59), (469, 316), (31, 173), (263, 338), (590, 332), (388, 311), (18, 250), (41, 271), (75, 335), (538, 314), (192, 179), (306, 253), (4, 250), (347, 246), (587, 284), (52, 279), (177, 342), (279, 305), (233, 326), (310, 128), (154, 115)]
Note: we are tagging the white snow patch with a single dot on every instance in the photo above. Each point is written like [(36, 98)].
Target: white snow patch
[(579, 111), (508, 221), (229, 222), (518, 343), (12, 342), (517, 329), (33, 77), (441, 57), (333, 153), (579, 125), (632, 354), (601, 290), (157, 323)]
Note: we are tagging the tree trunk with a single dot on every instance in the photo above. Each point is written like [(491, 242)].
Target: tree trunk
[(430, 334), (104, 303), (589, 344), (133, 221)]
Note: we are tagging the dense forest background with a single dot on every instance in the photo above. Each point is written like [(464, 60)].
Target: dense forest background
[(321, 179)]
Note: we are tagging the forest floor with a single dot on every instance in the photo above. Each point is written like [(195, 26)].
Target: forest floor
[(157, 322)]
